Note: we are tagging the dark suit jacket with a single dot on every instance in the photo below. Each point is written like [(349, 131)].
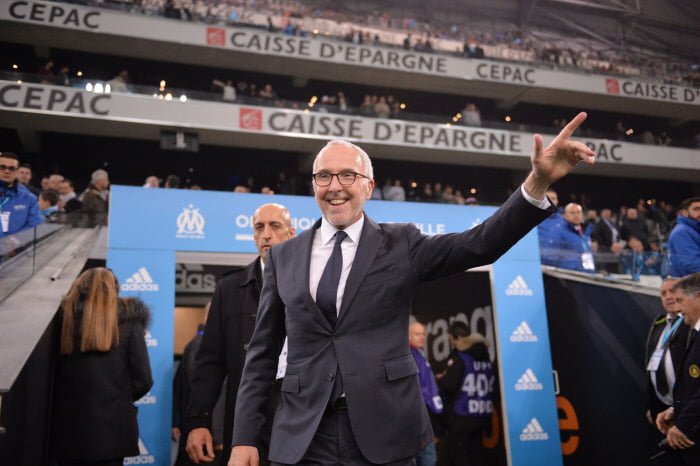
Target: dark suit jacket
[(94, 417), (603, 234), (369, 344), (223, 348), (686, 400), (677, 348)]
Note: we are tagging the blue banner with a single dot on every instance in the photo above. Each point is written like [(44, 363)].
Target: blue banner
[(147, 226), (150, 276)]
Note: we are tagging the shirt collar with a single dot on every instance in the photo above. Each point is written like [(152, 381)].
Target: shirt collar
[(262, 264), (354, 231), (697, 326)]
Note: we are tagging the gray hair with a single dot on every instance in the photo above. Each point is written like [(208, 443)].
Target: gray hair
[(98, 175), (689, 285), (366, 161)]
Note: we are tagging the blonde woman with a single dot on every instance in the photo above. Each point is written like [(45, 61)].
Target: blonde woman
[(102, 368)]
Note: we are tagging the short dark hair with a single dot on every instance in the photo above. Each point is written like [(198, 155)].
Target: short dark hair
[(9, 155), (458, 329), (689, 285), (69, 181), (25, 165), (686, 202), (172, 181), (49, 196)]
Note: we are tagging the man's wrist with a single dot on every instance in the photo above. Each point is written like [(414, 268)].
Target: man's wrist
[(536, 187)]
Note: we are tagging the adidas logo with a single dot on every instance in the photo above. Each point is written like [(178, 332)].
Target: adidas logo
[(533, 431), (518, 287), (140, 281), (528, 381), (144, 456), (150, 341), (523, 334)]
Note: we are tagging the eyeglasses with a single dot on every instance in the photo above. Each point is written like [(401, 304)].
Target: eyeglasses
[(7, 168), (346, 178)]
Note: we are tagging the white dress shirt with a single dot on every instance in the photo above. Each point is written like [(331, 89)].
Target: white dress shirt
[(322, 248)]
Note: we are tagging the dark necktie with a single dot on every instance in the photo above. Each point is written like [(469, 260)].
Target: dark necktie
[(327, 291), (661, 380)]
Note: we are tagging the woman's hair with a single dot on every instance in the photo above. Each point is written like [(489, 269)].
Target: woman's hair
[(90, 312)]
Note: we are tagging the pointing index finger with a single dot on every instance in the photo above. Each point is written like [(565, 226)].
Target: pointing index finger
[(572, 126)]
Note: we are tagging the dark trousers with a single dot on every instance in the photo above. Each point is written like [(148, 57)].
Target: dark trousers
[(334, 444), (464, 440)]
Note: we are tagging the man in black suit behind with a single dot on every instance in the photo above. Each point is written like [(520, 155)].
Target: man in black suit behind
[(665, 349), (228, 330), (341, 293), (681, 422)]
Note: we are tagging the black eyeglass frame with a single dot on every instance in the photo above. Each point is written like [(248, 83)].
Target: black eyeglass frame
[(315, 176)]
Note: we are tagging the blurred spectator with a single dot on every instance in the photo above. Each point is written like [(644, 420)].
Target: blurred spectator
[(633, 225), (46, 73), (266, 190), (367, 108), (48, 206), (152, 182), (95, 198), (172, 182), (472, 50), (175, 9), (407, 43), (24, 176), (437, 192), (567, 246), (381, 108), (396, 192), (591, 221), (55, 181), (68, 200), (44, 183), (63, 77), (637, 261), (471, 116), (342, 103), (427, 194), (19, 208), (448, 196), (283, 186), (268, 93), (684, 240), (471, 201), (228, 90), (546, 229), (120, 83), (664, 139), (605, 233), (647, 137), (102, 369), (377, 193), (467, 412), (241, 189)]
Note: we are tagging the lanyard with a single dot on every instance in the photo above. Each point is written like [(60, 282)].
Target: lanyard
[(670, 331), (4, 201)]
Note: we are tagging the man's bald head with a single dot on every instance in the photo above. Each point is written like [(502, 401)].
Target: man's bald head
[(573, 213), (416, 335), (272, 225)]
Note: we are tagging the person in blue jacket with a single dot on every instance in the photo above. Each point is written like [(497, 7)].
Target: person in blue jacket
[(568, 246), (684, 240), (548, 227), (19, 208)]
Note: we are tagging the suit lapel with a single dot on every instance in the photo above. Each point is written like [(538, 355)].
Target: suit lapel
[(306, 253), (370, 240)]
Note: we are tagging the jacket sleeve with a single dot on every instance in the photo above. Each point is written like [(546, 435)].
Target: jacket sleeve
[(441, 255), (139, 365), (687, 253), (34, 217), (261, 361), (451, 382), (210, 365)]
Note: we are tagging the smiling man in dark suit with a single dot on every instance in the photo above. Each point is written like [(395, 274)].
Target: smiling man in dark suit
[(341, 293)]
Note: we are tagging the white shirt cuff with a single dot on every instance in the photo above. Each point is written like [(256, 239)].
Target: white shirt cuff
[(543, 204)]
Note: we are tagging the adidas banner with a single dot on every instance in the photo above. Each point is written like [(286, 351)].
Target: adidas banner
[(151, 277), (147, 227)]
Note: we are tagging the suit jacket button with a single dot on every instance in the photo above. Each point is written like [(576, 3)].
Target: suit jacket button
[(330, 376)]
